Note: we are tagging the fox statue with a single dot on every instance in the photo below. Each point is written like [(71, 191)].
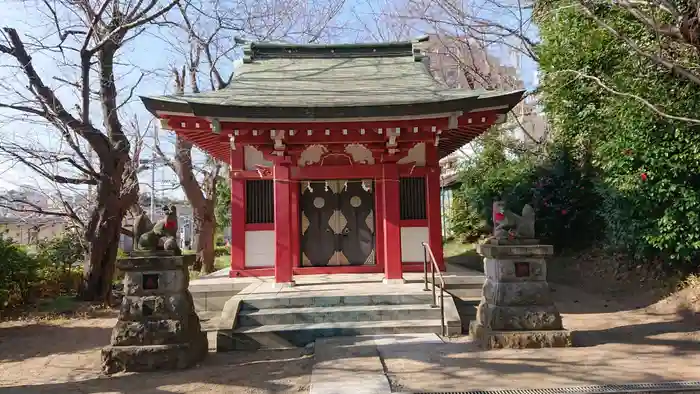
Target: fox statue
[(508, 225), (158, 236)]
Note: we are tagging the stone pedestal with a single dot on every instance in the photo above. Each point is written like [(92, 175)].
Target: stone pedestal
[(516, 309), (157, 327)]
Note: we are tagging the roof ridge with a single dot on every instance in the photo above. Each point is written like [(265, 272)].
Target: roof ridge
[(269, 50)]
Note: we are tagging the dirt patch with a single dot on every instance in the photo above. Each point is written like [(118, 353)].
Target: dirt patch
[(610, 276), (63, 356)]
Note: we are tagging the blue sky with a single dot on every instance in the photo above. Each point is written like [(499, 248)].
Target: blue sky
[(154, 56)]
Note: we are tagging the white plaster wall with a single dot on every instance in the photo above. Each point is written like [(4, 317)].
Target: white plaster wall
[(411, 239), (260, 248)]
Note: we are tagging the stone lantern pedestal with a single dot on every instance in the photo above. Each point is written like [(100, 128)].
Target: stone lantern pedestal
[(516, 309), (157, 328)]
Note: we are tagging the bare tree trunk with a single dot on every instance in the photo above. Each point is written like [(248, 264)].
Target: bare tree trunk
[(204, 237), (105, 227), (102, 253), (202, 197), (203, 201)]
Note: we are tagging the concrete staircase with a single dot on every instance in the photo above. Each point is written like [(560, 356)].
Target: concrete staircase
[(466, 291), (252, 322), (466, 298)]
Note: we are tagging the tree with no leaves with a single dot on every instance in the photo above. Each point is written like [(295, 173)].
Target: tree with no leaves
[(87, 35)]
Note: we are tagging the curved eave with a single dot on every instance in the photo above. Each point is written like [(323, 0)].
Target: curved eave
[(156, 104), (500, 102)]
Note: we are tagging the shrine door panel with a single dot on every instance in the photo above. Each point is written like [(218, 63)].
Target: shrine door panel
[(337, 223)]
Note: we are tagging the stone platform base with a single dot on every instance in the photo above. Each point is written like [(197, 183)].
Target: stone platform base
[(150, 358), (490, 339)]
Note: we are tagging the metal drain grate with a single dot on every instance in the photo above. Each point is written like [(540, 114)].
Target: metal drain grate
[(668, 387)]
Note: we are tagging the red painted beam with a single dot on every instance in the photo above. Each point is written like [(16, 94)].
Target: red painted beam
[(414, 223), (198, 131), (354, 127), (259, 226)]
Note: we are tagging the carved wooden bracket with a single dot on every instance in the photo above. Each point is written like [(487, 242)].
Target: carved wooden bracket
[(278, 137)]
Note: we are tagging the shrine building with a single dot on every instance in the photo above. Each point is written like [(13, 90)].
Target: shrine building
[(333, 153)]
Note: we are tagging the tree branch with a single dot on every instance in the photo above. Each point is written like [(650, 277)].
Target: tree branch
[(635, 97), (673, 67), (48, 97), (10, 204)]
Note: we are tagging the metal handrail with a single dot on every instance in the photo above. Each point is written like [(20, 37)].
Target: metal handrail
[(428, 255)]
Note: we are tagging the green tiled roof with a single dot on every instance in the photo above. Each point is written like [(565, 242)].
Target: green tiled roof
[(331, 81)]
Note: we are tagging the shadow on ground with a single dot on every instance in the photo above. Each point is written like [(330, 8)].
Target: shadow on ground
[(617, 354), (416, 365), (644, 334), (234, 372), (467, 259), (16, 342)]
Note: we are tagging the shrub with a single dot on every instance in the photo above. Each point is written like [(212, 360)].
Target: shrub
[(465, 221), (64, 251), (18, 273), (565, 201), (221, 251), (60, 261), (556, 185)]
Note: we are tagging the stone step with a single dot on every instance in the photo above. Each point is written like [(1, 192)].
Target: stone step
[(209, 320), (457, 282), (276, 336), (278, 302), (466, 294), (211, 294), (351, 313)]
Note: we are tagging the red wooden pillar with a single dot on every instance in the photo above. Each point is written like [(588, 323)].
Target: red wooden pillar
[(295, 224), (434, 212), (283, 223), (393, 270), (237, 211), (379, 242)]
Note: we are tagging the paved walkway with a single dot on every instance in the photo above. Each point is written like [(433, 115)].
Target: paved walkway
[(423, 362), (615, 345), (348, 365)]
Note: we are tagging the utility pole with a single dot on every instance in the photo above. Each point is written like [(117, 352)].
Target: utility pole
[(153, 174), (192, 242)]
